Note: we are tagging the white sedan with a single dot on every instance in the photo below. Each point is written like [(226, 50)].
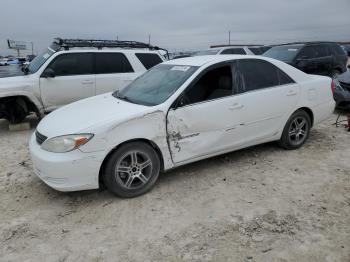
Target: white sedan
[(178, 112)]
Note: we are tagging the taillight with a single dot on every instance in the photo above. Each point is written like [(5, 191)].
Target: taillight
[(332, 86)]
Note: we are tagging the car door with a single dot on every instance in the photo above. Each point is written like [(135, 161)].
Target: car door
[(305, 60), (268, 96), (323, 59), (113, 72), (71, 78), (205, 119)]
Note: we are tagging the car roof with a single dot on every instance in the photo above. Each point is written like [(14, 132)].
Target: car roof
[(205, 59)]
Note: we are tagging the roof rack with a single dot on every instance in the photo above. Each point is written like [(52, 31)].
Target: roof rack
[(66, 44)]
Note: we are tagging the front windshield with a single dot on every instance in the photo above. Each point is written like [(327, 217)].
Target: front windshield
[(156, 85), (207, 52), (284, 53), (38, 61)]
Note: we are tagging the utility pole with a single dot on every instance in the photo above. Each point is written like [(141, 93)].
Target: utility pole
[(229, 37), (117, 38), (32, 48), (149, 39)]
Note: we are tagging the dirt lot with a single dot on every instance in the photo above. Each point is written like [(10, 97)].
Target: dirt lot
[(257, 204)]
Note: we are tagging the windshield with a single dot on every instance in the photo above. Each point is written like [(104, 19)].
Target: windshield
[(283, 53), (207, 52), (156, 85), (38, 61)]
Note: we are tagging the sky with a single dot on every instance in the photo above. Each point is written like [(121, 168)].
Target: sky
[(176, 25)]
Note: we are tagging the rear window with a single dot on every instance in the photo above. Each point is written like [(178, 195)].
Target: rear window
[(338, 50), (284, 53), (322, 51), (149, 60), (256, 50), (109, 63), (233, 51)]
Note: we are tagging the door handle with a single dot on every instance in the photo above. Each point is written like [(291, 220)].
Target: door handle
[(87, 82), (291, 93), (236, 106)]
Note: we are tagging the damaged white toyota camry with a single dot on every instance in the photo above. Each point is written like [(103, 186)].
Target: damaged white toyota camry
[(178, 112)]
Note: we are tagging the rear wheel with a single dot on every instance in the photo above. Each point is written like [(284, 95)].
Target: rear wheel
[(132, 170), (296, 130)]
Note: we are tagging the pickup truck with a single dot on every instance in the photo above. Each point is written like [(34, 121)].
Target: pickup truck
[(70, 70)]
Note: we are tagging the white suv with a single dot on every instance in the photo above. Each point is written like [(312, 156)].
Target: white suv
[(70, 70)]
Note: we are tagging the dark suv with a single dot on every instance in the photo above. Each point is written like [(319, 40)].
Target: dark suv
[(321, 58)]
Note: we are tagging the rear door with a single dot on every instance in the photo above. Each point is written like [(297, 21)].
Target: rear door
[(113, 71), (323, 59), (267, 97), (305, 60), (74, 80)]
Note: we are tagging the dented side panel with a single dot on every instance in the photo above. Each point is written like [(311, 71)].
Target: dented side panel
[(203, 128)]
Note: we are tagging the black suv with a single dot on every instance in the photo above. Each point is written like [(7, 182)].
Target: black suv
[(321, 58)]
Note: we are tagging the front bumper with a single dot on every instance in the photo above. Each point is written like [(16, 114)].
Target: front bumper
[(71, 171)]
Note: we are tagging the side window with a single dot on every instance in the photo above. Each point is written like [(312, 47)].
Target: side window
[(234, 51), (338, 50), (215, 83), (258, 74), (322, 51), (283, 78), (73, 64), (149, 60), (109, 63), (307, 52)]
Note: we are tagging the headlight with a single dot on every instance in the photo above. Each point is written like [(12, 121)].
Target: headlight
[(62, 144)]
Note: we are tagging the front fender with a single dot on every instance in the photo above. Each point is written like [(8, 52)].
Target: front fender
[(29, 96)]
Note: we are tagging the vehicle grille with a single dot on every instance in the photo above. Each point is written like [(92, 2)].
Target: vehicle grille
[(40, 138), (345, 85)]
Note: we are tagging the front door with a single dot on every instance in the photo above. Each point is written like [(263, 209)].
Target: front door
[(73, 80), (207, 117)]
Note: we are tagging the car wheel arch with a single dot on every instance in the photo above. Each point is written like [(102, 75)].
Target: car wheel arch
[(27, 102), (143, 140), (309, 112)]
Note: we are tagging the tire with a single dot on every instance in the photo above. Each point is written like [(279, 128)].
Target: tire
[(15, 111), (132, 170), (296, 130)]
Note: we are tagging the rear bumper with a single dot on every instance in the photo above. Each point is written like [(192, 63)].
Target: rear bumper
[(71, 171)]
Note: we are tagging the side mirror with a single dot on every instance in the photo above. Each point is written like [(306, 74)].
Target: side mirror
[(48, 73), (349, 66), (25, 69)]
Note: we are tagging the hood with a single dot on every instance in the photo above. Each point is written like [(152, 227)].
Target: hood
[(11, 71), (85, 115), (11, 83)]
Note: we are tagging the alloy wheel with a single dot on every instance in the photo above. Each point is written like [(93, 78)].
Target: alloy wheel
[(133, 170), (298, 130)]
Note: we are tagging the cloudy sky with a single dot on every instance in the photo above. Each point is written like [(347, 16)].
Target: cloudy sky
[(180, 24)]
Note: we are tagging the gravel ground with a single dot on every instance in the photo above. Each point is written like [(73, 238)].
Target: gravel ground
[(257, 204)]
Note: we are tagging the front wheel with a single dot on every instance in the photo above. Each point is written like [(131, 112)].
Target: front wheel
[(296, 130), (132, 170)]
